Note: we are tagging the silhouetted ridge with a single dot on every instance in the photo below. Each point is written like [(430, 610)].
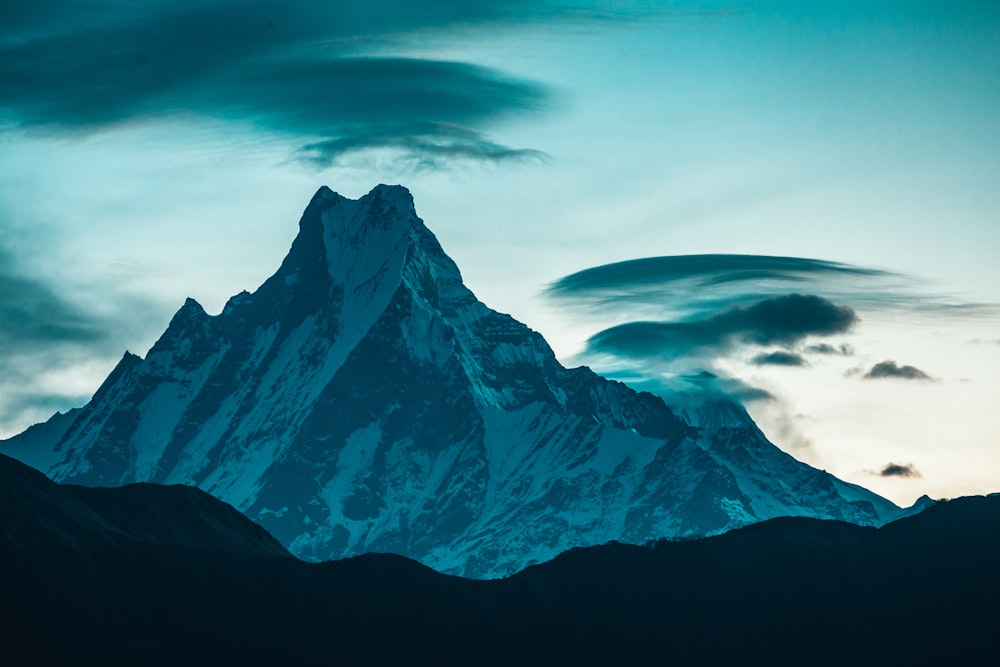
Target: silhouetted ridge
[(89, 579), (39, 515)]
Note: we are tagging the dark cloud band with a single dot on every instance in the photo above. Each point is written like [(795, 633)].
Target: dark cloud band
[(304, 70), (781, 320)]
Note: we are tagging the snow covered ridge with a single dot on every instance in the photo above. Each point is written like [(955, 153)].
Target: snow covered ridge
[(362, 399)]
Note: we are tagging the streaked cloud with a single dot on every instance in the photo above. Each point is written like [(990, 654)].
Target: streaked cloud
[(891, 370), (421, 144), (705, 271), (684, 285)]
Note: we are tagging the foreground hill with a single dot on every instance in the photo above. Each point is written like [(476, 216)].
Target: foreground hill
[(91, 583)]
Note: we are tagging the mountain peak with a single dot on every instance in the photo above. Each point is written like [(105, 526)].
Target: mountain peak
[(387, 197), (354, 238), (363, 399), (363, 235), (193, 307)]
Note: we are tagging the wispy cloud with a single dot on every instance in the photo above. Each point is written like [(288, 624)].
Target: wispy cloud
[(889, 369), (422, 145)]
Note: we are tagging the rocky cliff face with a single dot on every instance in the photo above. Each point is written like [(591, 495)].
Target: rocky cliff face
[(363, 399)]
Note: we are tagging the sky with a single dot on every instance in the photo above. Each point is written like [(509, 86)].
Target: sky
[(791, 204)]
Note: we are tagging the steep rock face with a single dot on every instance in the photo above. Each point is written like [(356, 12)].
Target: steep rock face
[(363, 399)]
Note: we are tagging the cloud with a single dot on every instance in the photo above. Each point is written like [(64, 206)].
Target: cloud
[(703, 270), (51, 347), (785, 320), (672, 316), (35, 317), (700, 284), (41, 331), (313, 70), (900, 470), (25, 409), (779, 358), (675, 313), (889, 369), (329, 75)]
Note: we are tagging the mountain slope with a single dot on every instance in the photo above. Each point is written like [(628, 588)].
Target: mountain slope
[(362, 399), (921, 590)]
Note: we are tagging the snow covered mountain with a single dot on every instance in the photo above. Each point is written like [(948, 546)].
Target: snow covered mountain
[(363, 399)]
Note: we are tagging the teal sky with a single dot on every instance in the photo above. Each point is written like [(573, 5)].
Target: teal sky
[(151, 154)]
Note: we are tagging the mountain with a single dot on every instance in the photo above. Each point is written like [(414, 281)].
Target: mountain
[(363, 399), (921, 590)]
